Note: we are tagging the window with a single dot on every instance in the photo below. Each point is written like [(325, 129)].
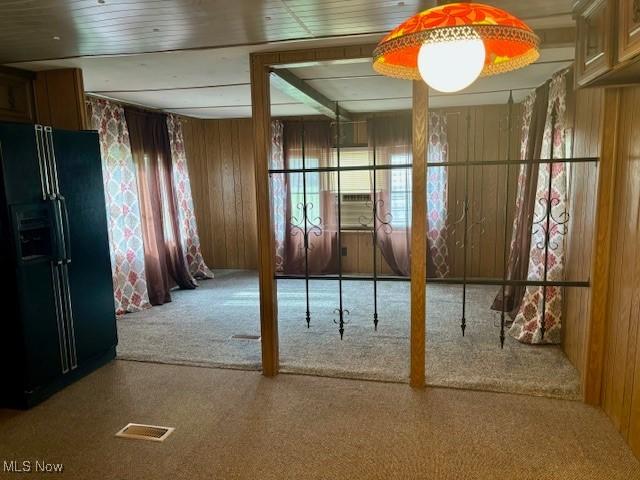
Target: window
[(297, 193), (400, 195), (355, 188), (357, 181)]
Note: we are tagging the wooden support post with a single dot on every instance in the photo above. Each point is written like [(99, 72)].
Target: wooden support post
[(261, 111), (418, 232), (596, 336)]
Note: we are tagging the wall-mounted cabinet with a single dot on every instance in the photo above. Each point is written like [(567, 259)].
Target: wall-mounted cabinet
[(628, 29), (608, 42), (593, 50), (16, 96)]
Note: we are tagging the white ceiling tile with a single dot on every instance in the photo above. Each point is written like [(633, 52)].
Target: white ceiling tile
[(362, 88), (225, 112), (288, 110), (237, 95), (380, 105)]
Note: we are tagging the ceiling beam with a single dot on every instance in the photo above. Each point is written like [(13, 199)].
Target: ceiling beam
[(301, 91), (556, 37)]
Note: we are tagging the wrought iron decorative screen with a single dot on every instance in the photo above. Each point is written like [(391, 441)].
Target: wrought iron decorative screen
[(463, 229)]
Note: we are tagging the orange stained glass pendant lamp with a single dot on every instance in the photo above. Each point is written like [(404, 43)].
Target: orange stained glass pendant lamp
[(451, 45)]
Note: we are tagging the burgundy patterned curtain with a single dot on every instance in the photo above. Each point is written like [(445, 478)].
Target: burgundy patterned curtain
[(533, 123), (278, 194), (437, 191), (123, 209), (186, 218), (550, 209)]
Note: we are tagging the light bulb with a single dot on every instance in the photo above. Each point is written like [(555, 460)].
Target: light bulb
[(452, 65)]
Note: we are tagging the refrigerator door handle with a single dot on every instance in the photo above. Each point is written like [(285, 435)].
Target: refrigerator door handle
[(64, 212), (42, 162), (60, 247), (62, 335), (51, 156), (64, 269), (61, 212)]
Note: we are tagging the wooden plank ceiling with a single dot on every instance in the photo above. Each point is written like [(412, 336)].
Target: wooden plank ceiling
[(191, 56), (49, 29)]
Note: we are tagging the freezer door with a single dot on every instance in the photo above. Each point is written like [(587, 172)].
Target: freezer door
[(88, 292), (25, 173)]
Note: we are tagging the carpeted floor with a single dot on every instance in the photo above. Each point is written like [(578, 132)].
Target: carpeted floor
[(198, 326), (241, 425)]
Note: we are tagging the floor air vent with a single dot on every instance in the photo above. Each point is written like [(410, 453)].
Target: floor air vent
[(145, 432), (246, 337)]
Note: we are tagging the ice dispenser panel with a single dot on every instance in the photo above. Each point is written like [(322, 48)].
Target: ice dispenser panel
[(33, 230)]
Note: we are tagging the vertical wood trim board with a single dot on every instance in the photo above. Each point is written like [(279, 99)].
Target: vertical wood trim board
[(261, 111), (581, 198), (602, 248), (418, 233)]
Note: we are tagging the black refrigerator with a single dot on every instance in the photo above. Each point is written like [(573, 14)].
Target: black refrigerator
[(58, 314)]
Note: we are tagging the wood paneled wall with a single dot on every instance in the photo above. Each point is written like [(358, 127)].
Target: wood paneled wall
[(621, 376), (359, 254), (582, 197), (481, 134), (487, 129), (221, 169)]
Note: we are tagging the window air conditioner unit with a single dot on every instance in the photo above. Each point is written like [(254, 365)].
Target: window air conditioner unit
[(356, 209)]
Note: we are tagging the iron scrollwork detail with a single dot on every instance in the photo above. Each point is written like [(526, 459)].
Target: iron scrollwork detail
[(469, 225), (382, 222), (306, 226), (549, 224)]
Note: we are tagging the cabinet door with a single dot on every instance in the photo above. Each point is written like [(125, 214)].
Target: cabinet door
[(628, 29), (16, 97), (593, 52), (91, 288)]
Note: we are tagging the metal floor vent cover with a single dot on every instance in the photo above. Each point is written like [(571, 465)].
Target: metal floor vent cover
[(145, 432), (246, 337)]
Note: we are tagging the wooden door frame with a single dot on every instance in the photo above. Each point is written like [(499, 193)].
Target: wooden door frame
[(260, 64)]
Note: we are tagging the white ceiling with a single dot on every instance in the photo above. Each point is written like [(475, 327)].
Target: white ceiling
[(214, 82)]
